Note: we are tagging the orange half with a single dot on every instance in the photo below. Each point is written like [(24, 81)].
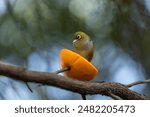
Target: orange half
[(81, 69)]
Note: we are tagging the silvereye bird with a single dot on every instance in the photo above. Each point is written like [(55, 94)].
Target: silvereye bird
[(83, 45)]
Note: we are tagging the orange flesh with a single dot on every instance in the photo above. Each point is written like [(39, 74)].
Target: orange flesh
[(81, 69)]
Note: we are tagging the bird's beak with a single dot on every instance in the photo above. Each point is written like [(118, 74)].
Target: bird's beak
[(75, 40)]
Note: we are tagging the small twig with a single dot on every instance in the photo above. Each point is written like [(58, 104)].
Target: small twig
[(138, 82), (63, 70), (28, 86), (83, 96), (115, 96)]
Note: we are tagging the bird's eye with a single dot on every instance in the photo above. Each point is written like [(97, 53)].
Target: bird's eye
[(78, 36)]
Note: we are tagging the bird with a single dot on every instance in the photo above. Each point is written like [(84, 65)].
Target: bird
[(83, 45)]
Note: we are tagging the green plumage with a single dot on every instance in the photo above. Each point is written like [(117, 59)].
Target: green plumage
[(83, 45)]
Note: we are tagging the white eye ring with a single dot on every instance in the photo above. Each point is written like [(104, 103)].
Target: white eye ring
[(78, 36)]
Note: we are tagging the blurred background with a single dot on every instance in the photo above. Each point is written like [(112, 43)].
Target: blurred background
[(32, 33)]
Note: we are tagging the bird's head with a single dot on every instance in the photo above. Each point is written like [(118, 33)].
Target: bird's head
[(80, 40)]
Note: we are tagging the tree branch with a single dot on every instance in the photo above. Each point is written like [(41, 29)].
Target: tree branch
[(52, 79)]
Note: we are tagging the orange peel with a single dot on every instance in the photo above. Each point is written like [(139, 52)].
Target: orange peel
[(80, 68)]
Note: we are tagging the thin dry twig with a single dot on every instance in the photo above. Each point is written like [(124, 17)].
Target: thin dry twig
[(138, 82), (115, 97), (28, 87), (62, 70)]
